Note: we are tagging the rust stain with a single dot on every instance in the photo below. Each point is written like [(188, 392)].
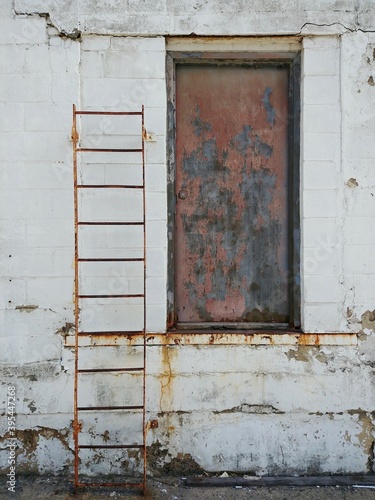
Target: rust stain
[(308, 339), (166, 377), (261, 337)]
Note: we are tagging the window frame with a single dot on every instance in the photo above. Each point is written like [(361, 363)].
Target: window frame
[(293, 61)]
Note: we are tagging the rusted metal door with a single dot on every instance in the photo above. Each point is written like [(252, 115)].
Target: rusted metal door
[(231, 241)]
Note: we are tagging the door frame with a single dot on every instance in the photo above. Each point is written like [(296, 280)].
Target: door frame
[(293, 61)]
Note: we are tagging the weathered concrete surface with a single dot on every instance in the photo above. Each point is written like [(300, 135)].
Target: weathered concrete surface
[(213, 17)]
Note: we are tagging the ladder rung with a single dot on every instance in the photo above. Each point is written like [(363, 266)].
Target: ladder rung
[(106, 370), (110, 186), (141, 332), (99, 223), (109, 446), (111, 260), (124, 296), (105, 150), (110, 485), (119, 113), (107, 408)]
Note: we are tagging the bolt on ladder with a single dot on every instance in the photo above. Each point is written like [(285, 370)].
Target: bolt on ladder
[(92, 364)]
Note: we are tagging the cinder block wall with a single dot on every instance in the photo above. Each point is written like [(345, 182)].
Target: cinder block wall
[(273, 405)]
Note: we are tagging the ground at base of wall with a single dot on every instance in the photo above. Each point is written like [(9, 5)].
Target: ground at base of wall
[(174, 489)]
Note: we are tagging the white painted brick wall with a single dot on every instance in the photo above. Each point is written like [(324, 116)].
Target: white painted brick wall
[(358, 156), (122, 74), (322, 190), (35, 192)]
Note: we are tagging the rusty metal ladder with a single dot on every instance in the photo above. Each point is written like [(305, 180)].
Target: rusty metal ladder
[(92, 338)]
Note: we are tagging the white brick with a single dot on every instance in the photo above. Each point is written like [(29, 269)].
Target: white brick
[(156, 262), (13, 59), (29, 349), (7, 9), (322, 289), (156, 177), (156, 206), (156, 319), (111, 205), (319, 204), (26, 88), (63, 204), (321, 118), (55, 41), (15, 293), (38, 322), (319, 232), (12, 236), (95, 43), (140, 44), (156, 120), (11, 116), (155, 152), (361, 169), (92, 65), (321, 318), (320, 175), (359, 231), (322, 62), (109, 315), (38, 203), (31, 262), (156, 232), (320, 146), (65, 59), (47, 117), (38, 60), (134, 65), (121, 93), (23, 31), (11, 175), (156, 290), (65, 88), (42, 401), (47, 175), (321, 260), (360, 201), (321, 42), (364, 288), (50, 233), (36, 146), (359, 259), (361, 135), (12, 205), (321, 90), (46, 292)]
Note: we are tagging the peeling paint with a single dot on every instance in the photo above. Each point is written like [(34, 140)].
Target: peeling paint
[(66, 329), (352, 183), (161, 461), (367, 436), (251, 408), (27, 308), (29, 442)]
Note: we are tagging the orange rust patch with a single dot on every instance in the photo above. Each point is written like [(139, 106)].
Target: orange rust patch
[(308, 339)]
